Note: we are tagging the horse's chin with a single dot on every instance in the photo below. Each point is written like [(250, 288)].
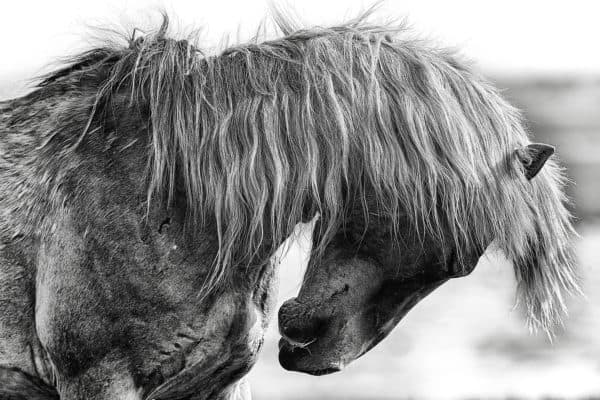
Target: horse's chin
[(304, 359), (344, 340)]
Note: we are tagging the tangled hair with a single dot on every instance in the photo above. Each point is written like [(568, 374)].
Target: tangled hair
[(264, 133)]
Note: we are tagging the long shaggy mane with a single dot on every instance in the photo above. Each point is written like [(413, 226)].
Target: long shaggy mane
[(262, 134)]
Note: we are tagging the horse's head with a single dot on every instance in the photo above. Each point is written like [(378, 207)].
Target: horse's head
[(356, 292), (367, 279)]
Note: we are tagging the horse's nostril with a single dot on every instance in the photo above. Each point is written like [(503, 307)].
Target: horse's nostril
[(297, 336), (288, 310), (298, 324)]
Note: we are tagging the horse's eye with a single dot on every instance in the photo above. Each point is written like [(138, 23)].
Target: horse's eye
[(163, 225)]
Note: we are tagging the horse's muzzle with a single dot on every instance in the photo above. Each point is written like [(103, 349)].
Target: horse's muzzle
[(290, 357), (299, 324)]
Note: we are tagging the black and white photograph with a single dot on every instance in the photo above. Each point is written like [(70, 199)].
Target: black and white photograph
[(299, 200)]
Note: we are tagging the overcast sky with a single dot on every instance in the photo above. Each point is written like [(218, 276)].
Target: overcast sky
[(509, 36)]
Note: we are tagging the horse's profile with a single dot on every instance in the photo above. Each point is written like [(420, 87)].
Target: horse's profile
[(144, 189)]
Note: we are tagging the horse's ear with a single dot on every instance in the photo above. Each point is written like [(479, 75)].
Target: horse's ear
[(533, 157)]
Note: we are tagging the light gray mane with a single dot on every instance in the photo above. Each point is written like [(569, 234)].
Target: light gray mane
[(262, 132)]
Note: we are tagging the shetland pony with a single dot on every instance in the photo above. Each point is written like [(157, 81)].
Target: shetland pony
[(144, 188)]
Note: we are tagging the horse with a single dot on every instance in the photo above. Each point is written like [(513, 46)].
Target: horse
[(146, 185)]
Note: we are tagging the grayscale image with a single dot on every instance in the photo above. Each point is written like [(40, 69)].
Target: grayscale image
[(299, 200)]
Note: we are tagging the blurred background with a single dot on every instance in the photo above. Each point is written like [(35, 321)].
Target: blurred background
[(465, 340)]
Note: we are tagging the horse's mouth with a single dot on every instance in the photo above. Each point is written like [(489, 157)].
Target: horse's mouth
[(292, 357)]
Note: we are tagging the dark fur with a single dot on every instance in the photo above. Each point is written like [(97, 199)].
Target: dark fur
[(16, 385)]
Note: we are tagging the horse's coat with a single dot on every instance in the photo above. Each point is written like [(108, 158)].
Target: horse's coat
[(144, 188)]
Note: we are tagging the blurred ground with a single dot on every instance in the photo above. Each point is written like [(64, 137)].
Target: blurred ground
[(565, 112)]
